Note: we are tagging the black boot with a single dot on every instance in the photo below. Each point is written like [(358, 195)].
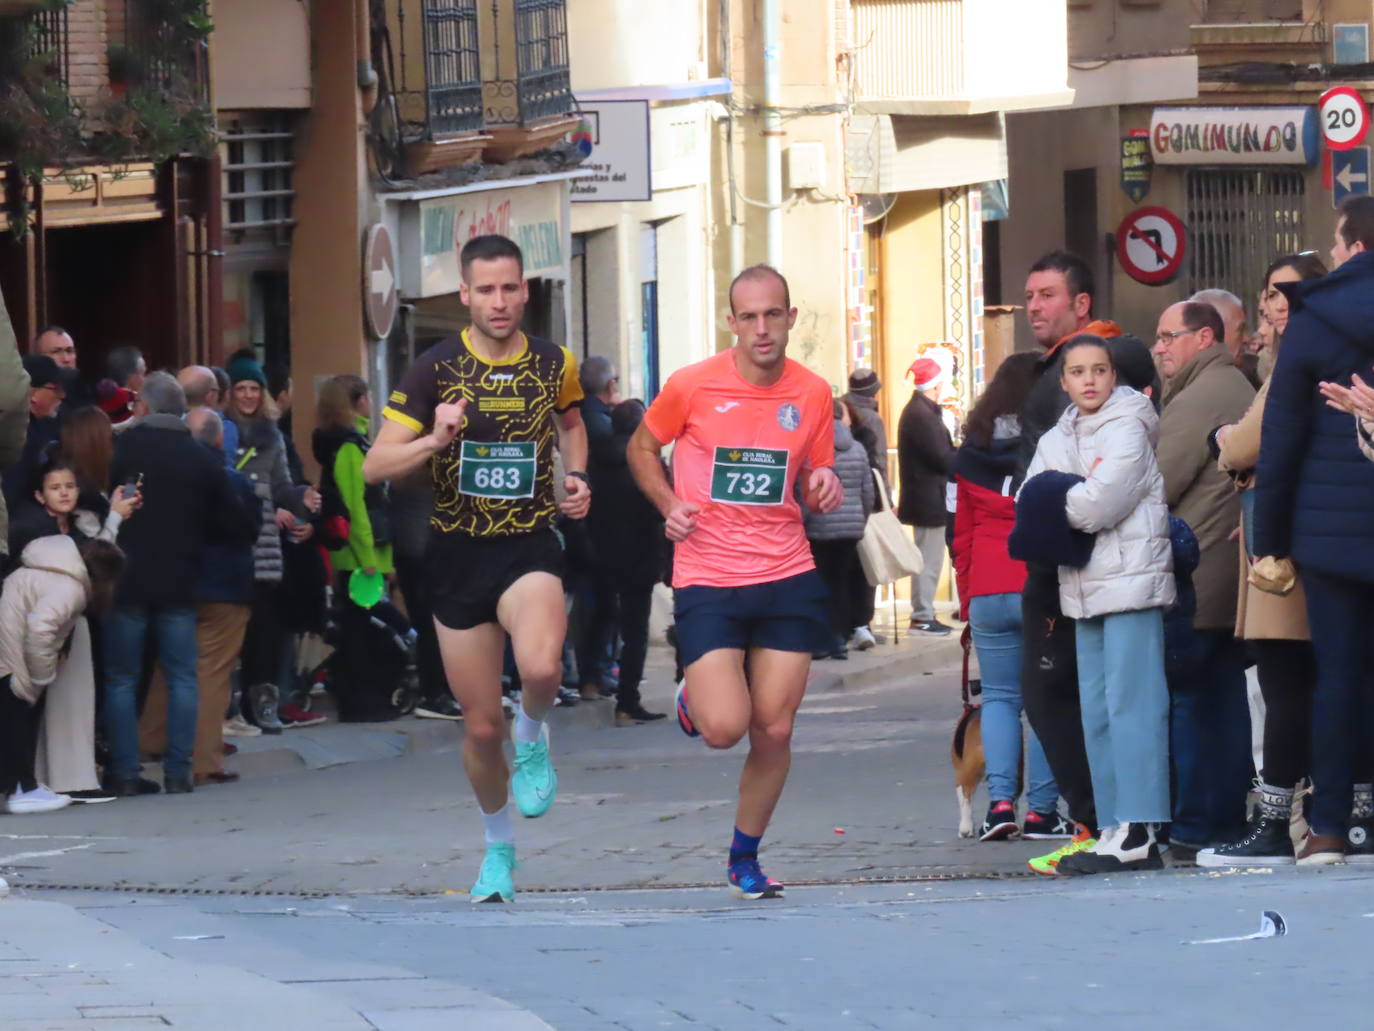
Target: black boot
[(1266, 843), (130, 788), (636, 713)]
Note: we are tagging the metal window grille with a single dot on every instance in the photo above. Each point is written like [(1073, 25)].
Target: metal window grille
[(1242, 219), (149, 33), (258, 170), (541, 59), (453, 78), (40, 33)]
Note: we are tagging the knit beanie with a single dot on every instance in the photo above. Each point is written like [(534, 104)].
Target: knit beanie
[(864, 383), (245, 367)]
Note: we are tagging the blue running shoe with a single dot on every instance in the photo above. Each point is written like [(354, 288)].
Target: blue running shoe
[(494, 883), (684, 718), (747, 881), (534, 782)]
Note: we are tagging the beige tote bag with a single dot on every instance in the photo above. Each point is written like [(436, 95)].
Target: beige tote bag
[(886, 549)]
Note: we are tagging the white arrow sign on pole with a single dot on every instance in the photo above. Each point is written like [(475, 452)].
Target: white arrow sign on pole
[(1347, 176), (382, 281)]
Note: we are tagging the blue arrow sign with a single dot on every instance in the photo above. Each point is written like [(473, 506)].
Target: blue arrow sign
[(1349, 173)]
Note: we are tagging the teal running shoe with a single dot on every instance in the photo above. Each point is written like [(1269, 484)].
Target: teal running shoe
[(494, 883), (534, 782)]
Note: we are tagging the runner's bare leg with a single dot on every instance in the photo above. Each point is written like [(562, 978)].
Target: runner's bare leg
[(777, 683), (472, 665), (532, 611), (718, 697)]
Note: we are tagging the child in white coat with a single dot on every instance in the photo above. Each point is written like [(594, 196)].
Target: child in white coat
[(42, 602), (1108, 437)]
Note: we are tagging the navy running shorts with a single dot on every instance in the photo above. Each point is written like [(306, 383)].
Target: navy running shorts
[(784, 615)]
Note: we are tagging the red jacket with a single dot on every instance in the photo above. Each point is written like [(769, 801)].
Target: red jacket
[(984, 514)]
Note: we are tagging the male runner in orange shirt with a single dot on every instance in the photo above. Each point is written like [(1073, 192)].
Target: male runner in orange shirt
[(747, 423)]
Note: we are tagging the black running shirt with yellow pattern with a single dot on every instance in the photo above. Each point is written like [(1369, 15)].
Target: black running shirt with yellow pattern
[(496, 478)]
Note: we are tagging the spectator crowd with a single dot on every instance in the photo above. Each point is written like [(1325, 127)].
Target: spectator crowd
[(1131, 527)]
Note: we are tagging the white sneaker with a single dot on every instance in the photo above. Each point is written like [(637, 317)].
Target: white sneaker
[(40, 800), (240, 727), (862, 639)]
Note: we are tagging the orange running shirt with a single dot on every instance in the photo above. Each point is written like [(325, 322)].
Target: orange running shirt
[(740, 450)]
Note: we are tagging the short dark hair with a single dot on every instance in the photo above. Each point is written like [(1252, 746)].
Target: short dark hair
[(278, 375), (122, 362), (1356, 219), (490, 248), (761, 272), (1078, 275), (50, 328), (626, 416), (1201, 315), (222, 381)]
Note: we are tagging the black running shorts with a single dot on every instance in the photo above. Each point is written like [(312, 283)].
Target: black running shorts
[(466, 576)]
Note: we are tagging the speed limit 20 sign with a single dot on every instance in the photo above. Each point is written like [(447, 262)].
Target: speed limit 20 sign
[(1344, 117)]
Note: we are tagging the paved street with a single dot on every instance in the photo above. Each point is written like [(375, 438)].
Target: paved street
[(623, 921)]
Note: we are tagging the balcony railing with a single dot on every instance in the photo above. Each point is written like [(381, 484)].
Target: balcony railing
[(543, 84), (453, 75), (960, 56), (170, 56)]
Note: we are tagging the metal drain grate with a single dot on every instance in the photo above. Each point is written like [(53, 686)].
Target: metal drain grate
[(147, 889)]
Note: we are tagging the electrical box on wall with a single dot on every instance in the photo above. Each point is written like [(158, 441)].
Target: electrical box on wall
[(806, 166)]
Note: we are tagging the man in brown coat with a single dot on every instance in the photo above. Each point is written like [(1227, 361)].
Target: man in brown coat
[(1210, 716)]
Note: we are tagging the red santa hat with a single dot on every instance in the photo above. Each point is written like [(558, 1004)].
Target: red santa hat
[(926, 373)]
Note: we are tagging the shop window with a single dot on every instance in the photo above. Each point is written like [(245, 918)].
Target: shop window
[(1241, 220)]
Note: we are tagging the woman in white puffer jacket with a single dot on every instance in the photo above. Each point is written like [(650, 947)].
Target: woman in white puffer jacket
[(1108, 437)]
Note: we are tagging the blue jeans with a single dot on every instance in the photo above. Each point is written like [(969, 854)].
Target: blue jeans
[(996, 623), (1341, 613), (174, 632), (1209, 732), (1125, 703)]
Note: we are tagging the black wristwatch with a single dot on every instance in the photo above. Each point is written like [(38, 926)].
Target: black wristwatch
[(581, 476)]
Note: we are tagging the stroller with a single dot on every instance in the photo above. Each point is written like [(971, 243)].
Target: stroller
[(372, 671)]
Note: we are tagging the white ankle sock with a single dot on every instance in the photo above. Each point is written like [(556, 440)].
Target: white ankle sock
[(527, 729), (498, 828)]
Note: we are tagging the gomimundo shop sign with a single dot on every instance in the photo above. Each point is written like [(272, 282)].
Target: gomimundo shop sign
[(1234, 136), (434, 229)]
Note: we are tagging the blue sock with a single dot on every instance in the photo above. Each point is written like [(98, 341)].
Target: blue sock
[(745, 846)]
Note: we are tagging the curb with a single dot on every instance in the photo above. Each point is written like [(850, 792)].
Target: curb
[(337, 744)]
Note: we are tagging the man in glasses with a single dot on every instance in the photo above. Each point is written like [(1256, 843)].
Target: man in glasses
[(1210, 715)]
